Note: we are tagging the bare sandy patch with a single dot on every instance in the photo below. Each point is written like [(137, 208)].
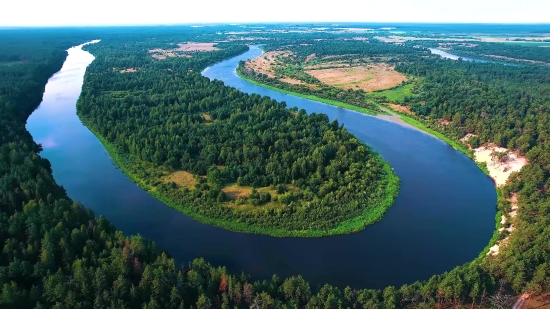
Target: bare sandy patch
[(163, 54), (181, 178), (369, 77), (308, 58), (467, 137), (292, 81), (183, 50), (400, 108), (495, 250), (444, 122), (194, 47), (264, 63), (235, 191), (499, 168), (129, 70)]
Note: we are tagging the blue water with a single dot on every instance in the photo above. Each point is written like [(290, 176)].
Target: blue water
[(447, 55), (443, 216)]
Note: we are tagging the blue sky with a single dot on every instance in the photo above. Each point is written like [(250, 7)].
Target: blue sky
[(123, 12)]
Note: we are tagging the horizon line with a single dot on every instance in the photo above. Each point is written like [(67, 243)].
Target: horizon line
[(273, 22)]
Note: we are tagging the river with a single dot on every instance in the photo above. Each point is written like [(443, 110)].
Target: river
[(447, 55), (443, 216)]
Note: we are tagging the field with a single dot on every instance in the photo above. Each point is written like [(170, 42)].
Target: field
[(269, 62), (181, 178), (183, 50), (369, 77), (396, 94)]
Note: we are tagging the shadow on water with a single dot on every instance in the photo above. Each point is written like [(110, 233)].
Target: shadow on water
[(443, 216)]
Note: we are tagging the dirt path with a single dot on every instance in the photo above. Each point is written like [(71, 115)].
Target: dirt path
[(396, 118), (519, 303)]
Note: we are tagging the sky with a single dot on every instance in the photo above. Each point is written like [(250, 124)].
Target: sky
[(132, 12)]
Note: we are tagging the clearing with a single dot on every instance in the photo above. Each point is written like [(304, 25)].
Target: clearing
[(181, 178), (183, 50), (369, 77), (264, 63), (129, 70), (400, 108)]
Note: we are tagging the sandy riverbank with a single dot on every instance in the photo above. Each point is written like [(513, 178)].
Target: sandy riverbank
[(499, 169)]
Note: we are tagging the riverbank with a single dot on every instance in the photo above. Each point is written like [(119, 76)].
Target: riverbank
[(414, 123), (417, 124), (311, 97)]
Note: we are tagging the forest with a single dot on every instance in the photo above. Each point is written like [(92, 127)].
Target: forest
[(57, 254), (309, 176)]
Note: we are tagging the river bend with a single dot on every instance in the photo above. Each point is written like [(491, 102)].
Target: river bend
[(443, 216)]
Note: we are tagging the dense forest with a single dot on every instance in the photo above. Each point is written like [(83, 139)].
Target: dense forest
[(57, 254), (310, 177)]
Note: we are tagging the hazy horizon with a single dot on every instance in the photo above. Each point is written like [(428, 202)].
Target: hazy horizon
[(58, 13)]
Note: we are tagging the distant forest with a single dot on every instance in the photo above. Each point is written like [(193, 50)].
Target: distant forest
[(57, 254)]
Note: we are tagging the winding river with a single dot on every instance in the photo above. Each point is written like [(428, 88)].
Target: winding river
[(447, 55), (443, 216)]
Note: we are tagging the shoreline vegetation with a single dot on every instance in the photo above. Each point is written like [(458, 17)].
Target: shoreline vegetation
[(340, 104)]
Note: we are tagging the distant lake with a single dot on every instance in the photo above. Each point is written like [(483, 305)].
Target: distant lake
[(442, 218)]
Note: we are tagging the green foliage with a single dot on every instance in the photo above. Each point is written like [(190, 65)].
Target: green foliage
[(56, 254), (342, 185)]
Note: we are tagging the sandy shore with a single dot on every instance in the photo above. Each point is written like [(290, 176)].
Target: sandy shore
[(499, 170)]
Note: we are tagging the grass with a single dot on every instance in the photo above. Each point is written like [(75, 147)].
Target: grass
[(397, 94), (182, 179), (234, 191), (312, 97)]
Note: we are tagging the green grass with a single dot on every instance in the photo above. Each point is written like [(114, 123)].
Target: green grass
[(314, 98), (396, 94)]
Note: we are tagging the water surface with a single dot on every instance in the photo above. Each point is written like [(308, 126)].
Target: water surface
[(447, 55), (443, 216)]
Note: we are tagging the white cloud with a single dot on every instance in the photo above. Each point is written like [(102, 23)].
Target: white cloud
[(118, 12)]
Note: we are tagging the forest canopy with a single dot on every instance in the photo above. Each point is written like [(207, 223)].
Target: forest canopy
[(57, 254), (248, 163)]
